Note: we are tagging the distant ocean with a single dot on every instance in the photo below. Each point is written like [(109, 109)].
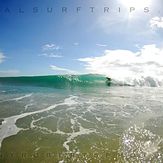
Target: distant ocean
[(80, 118)]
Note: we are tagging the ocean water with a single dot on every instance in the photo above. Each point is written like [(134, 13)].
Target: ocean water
[(85, 119)]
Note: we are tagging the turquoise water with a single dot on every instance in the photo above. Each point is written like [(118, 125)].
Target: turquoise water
[(58, 81), (79, 119)]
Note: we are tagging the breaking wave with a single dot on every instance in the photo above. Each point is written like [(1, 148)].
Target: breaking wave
[(139, 81), (87, 80)]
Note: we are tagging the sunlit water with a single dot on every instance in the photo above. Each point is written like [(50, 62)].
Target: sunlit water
[(111, 124)]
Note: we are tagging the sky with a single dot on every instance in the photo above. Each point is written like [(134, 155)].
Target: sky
[(39, 37)]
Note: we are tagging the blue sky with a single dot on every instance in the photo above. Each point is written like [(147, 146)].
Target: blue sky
[(44, 43)]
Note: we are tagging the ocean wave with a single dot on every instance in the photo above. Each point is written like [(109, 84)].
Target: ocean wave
[(57, 81), (87, 80)]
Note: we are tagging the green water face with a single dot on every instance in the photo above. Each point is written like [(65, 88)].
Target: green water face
[(117, 124)]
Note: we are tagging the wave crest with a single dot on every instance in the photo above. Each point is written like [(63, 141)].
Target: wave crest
[(141, 81)]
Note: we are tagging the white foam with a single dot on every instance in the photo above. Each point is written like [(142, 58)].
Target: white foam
[(18, 98), (62, 161), (99, 119), (73, 135), (60, 132), (22, 97), (72, 121), (38, 148), (147, 81), (27, 106), (8, 128), (71, 101)]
